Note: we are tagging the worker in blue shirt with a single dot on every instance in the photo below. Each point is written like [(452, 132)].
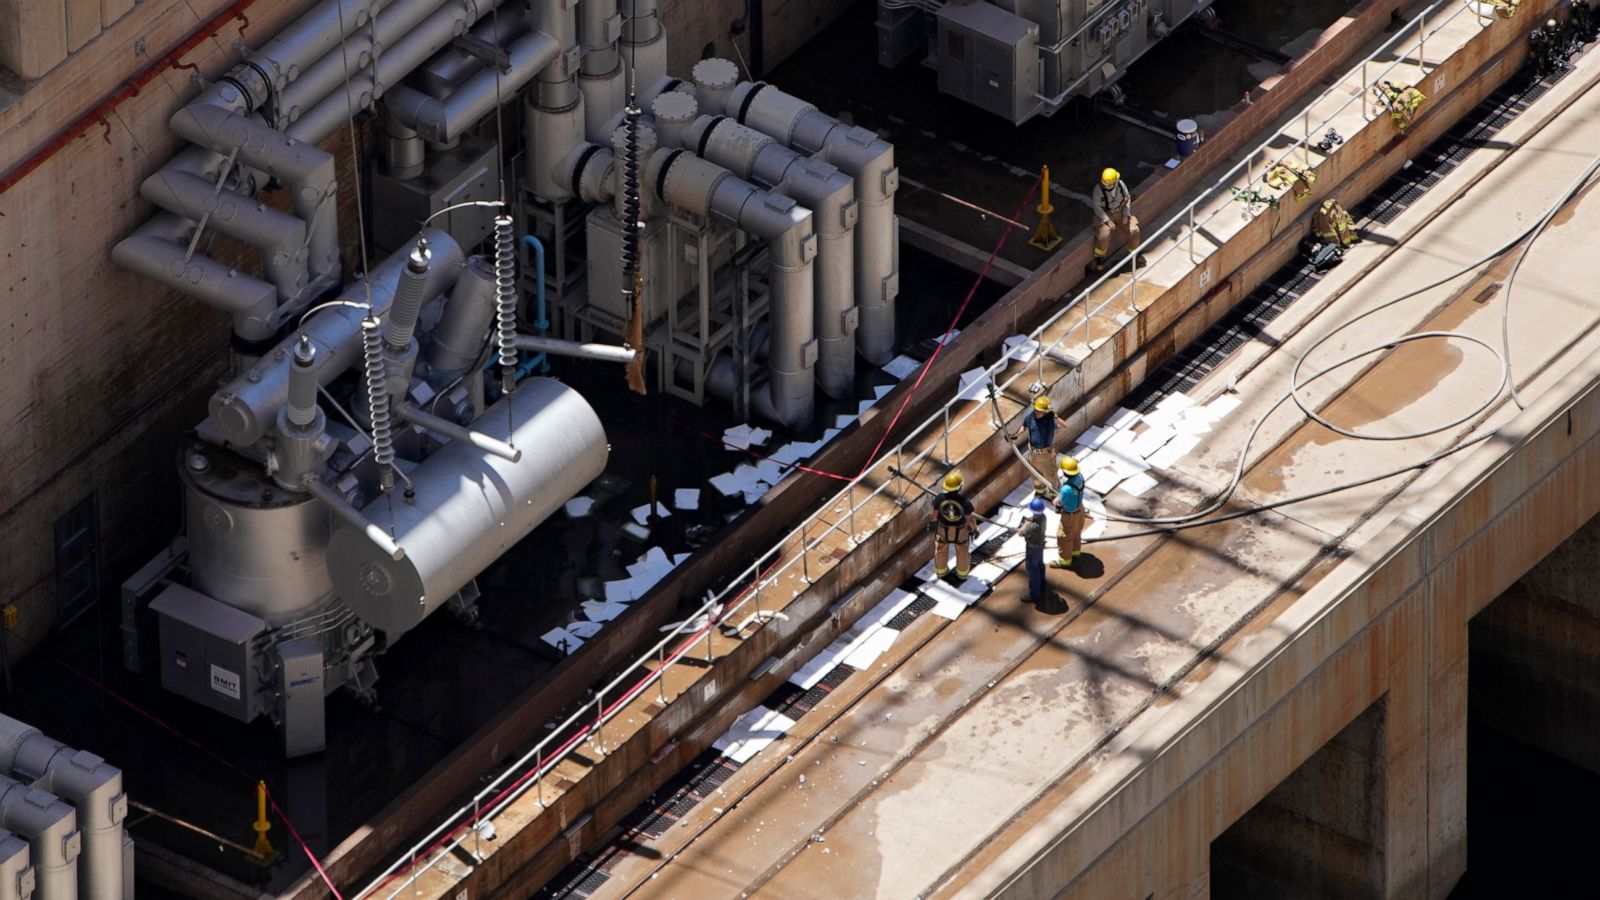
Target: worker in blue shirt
[(1033, 532), (1041, 430), (1069, 503)]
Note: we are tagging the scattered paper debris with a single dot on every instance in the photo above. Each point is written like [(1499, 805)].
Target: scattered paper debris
[(1122, 419), (902, 366), (751, 732), (1104, 481), (686, 498), (1222, 406), (866, 651), (743, 437), (1168, 456), (1138, 485), (602, 610), (943, 339), (641, 514), (583, 630), (974, 385), (1153, 439), (1021, 348), (562, 640), (864, 405), (881, 391), (578, 507), (636, 531), (845, 420)]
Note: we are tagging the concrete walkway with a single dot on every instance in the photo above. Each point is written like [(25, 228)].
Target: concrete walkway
[(956, 741)]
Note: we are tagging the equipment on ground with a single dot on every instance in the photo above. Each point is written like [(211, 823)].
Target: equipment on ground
[(1024, 58)]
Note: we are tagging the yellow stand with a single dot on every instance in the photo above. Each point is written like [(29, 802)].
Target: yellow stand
[(1044, 236), (263, 846)]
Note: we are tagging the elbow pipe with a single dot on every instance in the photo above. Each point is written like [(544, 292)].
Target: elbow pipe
[(442, 121), (243, 410), (307, 169), (451, 67), (558, 81), (86, 782), (353, 517), (589, 172), (458, 433), (558, 347), (599, 28), (249, 300), (692, 183), (870, 160), (830, 194), (280, 237), (51, 828)]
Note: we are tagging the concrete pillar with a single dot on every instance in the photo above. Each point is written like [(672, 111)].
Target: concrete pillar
[(1322, 832), (1536, 655)]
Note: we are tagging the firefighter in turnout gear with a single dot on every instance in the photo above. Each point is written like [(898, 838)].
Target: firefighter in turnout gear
[(1402, 102), (1331, 224), (953, 523), (1113, 208), (1069, 503), (1548, 49)]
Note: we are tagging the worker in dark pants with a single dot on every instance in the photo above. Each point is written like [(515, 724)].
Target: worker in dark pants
[(953, 524), (1033, 532), (1582, 22), (1041, 429)]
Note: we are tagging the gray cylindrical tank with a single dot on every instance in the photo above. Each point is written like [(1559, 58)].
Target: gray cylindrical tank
[(470, 507), (16, 877), (51, 828), (252, 544)]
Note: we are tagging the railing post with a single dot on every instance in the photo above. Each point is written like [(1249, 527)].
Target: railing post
[(947, 435), (661, 673), (538, 774), (805, 550), (852, 502), (600, 720), (1191, 234), (1366, 88), (1422, 41), (709, 651)]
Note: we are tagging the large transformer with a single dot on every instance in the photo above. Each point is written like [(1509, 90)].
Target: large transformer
[(1024, 58), (380, 439)]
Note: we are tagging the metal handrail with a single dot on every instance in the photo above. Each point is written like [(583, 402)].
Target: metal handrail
[(589, 721)]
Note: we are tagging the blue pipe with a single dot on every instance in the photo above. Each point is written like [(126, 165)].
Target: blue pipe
[(541, 324)]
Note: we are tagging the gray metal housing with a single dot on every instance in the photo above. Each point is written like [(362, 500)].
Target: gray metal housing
[(470, 507)]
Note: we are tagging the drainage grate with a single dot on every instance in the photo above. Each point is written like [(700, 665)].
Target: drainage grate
[(580, 879), (1247, 320)]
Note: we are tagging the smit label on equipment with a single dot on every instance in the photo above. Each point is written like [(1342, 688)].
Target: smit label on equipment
[(224, 682)]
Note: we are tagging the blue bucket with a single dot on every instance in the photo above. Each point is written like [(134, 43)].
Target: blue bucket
[(1188, 137)]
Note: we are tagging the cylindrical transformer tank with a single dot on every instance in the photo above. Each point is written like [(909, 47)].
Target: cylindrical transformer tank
[(469, 507), (252, 544)]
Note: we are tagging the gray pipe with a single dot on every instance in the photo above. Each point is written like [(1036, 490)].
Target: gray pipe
[(153, 252), (831, 196), (600, 352), (288, 54), (306, 169), (452, 66), (698, 186), (16, 874), (85, 781), (870, 160), (644, 42), (242, 410), (601, 79), (392, 65), (456, 432), (51, 828), (558, 81), (463, 326), (353, 517), (326, 73), (280, 237), (444, 121)]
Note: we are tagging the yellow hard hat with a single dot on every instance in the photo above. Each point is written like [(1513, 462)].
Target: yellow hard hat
[(953, 481), (1110, 176), (1069, 465), (1042, 403)]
